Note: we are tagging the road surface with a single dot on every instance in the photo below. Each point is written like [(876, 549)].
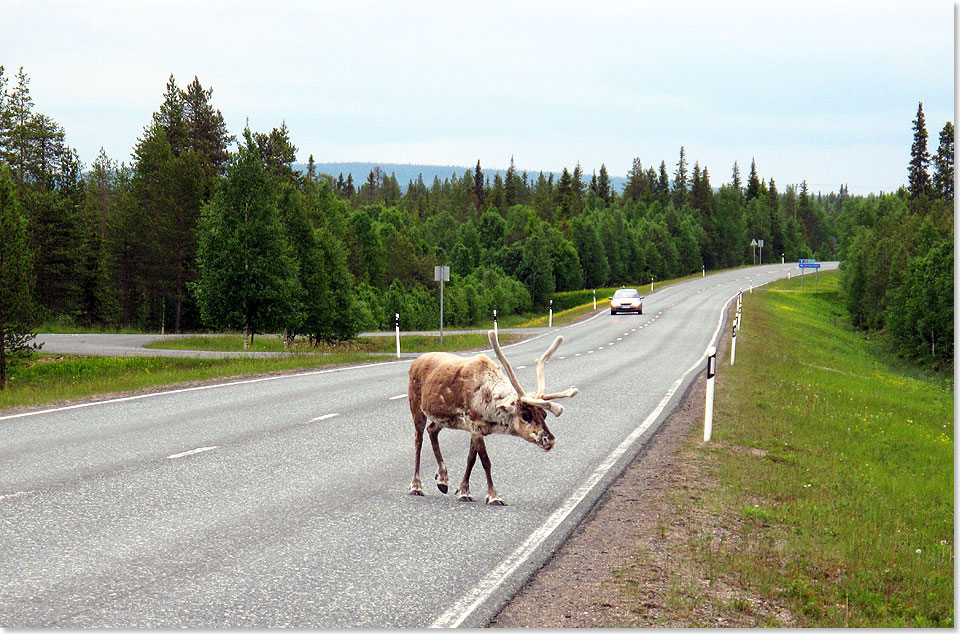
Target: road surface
[(281, 501)]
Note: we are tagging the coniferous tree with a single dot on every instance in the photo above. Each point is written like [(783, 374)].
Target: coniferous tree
[(753, 182), (918, 179), (663, 184), (943, 164), (603, 185), (636, 182), (478, 194), (680, 181), (735, 181), (206, 133)]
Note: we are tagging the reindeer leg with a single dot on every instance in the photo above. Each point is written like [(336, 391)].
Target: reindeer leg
[(463, 493), (419, 422), (492, 496), (441, 476)]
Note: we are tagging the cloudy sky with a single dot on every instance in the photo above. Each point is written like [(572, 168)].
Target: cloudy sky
[(817, 90)]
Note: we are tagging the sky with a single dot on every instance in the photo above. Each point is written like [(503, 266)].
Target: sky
[(822, 91)]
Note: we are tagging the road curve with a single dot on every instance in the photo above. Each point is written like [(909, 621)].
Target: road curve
[(280, 501)]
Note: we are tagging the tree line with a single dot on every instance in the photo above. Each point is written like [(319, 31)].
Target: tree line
[(897, 269), (194, 235)]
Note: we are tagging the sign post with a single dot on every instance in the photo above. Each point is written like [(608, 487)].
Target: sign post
[(806, 263), (708, 409), (753, 245), (760, 244), (441, 274)]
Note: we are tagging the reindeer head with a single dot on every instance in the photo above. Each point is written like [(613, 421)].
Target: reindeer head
[(529, 420)]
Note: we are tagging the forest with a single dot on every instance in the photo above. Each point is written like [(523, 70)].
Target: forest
[(203, 229)]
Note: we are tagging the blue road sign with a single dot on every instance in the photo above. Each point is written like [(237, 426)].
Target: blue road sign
[(805, 265)]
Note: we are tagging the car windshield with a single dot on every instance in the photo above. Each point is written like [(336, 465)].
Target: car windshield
[(626, 292)]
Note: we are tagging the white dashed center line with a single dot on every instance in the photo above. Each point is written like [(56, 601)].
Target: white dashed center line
[(325, 417), (191, 452), (398, 396)]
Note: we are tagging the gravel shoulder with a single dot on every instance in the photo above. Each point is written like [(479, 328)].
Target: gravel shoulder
[(634, 561)]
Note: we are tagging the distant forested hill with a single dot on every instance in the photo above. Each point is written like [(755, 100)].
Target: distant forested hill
[(406, 173)]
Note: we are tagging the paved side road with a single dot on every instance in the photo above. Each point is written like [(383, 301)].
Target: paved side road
[(112, 345)]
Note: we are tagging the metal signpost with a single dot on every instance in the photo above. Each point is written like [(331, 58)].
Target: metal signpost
[(441, 274), (806, 263)]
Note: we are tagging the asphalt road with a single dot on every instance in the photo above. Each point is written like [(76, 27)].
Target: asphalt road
[(282, 501)]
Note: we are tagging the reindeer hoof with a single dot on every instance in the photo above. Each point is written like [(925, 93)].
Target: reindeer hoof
[(497, 501), (441, 483), (415, 492), (464, 498)]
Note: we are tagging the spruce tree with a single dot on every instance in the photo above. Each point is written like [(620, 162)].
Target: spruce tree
[(636, 180), (918, 179), (603, 185), (680, 181), (17, 310), (735, 181), (663, 184), (943, 164), (478, 187), (753, 182)]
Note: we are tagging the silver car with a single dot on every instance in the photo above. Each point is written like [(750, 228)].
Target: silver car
[(626, 300)]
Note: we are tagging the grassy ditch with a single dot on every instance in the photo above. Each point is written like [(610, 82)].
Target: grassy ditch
[(47, 379), (832, 466)]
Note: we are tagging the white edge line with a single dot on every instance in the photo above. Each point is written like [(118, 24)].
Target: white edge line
[(191, 452), (326, 416), (398, 397), (469, 602), (198, 388)]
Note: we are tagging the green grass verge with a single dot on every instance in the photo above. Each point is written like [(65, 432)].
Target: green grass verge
[(49, 379), (268, 343), (845, 498)]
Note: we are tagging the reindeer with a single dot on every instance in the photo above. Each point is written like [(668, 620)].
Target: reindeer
[(475, 396)]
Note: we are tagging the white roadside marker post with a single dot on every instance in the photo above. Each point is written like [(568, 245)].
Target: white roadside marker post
[(594, 299), (398, 334), (550, 323), (703, 271), (495, 333), (733, 346), (708, 410)]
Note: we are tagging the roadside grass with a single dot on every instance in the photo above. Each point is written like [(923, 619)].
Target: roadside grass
[(47, 379), (834, 472), (268, 343)]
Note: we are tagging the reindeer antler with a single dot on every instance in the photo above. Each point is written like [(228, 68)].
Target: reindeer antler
[(506, 364), (539, 399), (542, 361)]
